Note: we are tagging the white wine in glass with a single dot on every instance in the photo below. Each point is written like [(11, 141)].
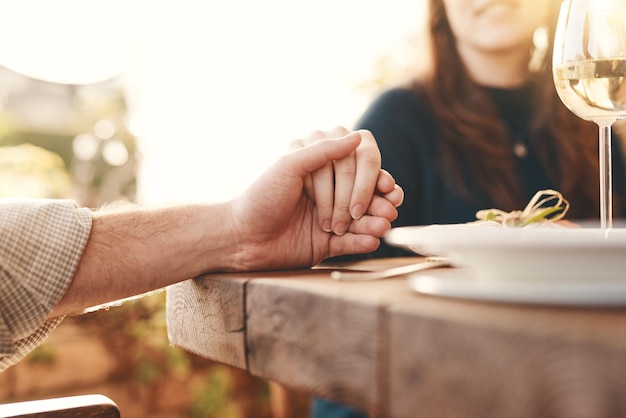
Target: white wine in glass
[(589, 63)]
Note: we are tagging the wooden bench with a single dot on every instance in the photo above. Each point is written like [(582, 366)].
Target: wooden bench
[(83, 406)]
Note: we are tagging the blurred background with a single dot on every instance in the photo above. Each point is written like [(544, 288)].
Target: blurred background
[(173, 101)]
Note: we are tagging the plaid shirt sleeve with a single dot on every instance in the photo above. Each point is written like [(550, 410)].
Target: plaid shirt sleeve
[(41, 242)]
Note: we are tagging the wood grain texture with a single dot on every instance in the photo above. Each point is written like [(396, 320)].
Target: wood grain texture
[(506, 361), (314, 334), (300, 339), (205, 316)]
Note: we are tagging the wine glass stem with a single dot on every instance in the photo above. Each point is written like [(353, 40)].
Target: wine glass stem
[(606, 185)]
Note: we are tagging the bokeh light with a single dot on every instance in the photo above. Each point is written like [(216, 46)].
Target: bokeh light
[(104, 129), (85, 146), (114, 152)]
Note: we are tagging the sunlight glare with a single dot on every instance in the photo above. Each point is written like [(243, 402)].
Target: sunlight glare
[(66, 41), (218, 95), (214, 90)]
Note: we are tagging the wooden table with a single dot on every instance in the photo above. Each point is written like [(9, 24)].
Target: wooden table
[(383, 348)]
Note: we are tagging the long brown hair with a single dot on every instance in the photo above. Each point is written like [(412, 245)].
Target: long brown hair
[(474, 137)]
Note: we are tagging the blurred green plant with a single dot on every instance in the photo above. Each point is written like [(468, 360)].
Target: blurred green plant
[(30, 171), (210, 399), (85, 126), (136, 333), (44, 354)]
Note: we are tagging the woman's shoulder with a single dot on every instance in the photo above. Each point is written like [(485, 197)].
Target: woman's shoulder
[(400, 110), (399, 104), (403, 97)]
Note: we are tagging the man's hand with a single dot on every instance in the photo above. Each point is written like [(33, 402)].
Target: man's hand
[(282, 219)]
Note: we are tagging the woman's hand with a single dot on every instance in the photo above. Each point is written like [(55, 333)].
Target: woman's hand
[(345, 189)]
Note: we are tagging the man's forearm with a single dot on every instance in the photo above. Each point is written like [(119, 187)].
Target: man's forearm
[(132, 251)]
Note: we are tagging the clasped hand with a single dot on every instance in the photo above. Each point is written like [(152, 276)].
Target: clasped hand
[(328, 197)]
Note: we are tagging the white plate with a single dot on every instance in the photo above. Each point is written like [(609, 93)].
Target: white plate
[(540, 254), (540, 265), (459, 283)]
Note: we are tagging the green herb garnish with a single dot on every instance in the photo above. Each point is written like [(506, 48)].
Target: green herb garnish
[(545, 206)]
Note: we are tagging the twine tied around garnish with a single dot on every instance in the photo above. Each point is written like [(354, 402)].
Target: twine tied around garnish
[(535, 211)]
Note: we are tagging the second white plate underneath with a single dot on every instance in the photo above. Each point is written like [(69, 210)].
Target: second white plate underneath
[(459, 283)]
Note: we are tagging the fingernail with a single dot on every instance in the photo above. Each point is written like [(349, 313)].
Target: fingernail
[(341, 228), (327, 226), (357, 211)]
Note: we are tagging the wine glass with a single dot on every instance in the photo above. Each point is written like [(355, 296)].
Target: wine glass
[(589, 67)]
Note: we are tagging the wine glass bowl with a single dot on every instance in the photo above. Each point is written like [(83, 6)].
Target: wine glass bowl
[(589, 67), (593, 89)]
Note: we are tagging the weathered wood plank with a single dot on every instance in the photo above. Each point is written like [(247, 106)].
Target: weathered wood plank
[(320, 336), (206, 316), (82, 406), (490, 360), (306, 354)]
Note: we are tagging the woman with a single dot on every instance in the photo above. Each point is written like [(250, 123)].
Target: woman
[(484, 127)]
